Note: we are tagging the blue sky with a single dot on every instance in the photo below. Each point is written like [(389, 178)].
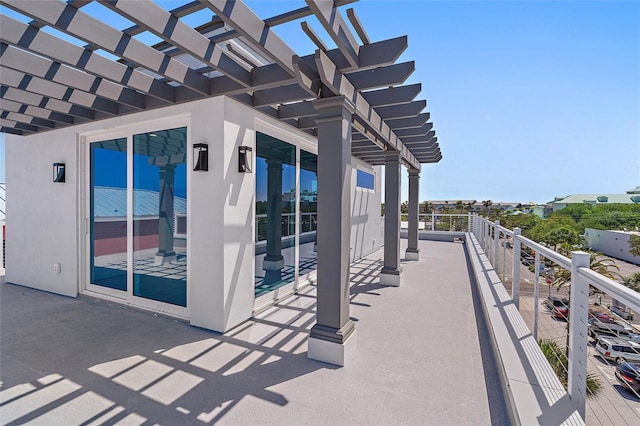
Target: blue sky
[(529, 99)]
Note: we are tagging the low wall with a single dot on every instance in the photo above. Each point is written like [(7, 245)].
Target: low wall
[(436, 235), (534, 394)]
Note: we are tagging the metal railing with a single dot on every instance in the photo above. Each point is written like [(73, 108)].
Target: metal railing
[(442, 222), (308, 223), (524, 266)]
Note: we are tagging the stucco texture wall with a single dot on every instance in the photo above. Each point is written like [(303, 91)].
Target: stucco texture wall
[(610, 243)]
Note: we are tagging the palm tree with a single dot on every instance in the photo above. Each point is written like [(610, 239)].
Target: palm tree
[(632, 281), (486, 204), (598, 263)]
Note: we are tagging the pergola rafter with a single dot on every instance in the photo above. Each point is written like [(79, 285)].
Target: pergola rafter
[(49, 82)]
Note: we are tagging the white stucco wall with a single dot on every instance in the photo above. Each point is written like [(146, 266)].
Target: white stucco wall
[(45, 220), (610, 243), (366, 230), (41, 216)]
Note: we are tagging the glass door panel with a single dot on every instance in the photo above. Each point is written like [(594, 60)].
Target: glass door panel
[(308, 260), (159, 216), (108, 213), (275, 213)]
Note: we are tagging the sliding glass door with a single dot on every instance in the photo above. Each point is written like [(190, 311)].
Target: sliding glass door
[(137, 211), (286, 213)]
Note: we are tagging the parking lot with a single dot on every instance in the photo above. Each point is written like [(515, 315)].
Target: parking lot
[(613, 405)]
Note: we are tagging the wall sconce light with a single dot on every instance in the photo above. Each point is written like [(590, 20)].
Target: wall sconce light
[(245, 159), (200, 157), (58, 172)]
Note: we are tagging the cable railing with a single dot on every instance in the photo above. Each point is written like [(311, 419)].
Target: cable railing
[(308, 223), (584, 339), (449, 222)]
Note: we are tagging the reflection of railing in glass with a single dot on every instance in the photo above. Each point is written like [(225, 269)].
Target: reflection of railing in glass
[(439, 222), (308, 223)]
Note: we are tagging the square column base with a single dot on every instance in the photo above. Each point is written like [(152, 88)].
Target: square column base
[(164, 258), (412, 254), (332, 352), (273, 265), (390, 278)]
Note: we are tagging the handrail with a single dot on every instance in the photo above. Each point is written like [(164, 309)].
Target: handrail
[(582, 277), (619, 292), (561, 260)]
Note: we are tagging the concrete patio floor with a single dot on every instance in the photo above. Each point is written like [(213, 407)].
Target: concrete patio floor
[(423, 357)]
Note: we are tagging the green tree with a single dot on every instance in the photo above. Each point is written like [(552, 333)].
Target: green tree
[(634, 244), (522, 221), (459, 206), (426, 207), (598, 263)]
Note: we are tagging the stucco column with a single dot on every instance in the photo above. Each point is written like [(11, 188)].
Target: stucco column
[(390, 274), (274, 261), (333, 339), (165, 252), (413, 252)]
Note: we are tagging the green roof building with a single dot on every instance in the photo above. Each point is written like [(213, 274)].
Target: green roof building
[(632, 196)]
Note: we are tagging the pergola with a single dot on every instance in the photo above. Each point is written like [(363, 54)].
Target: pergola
[(350, 97)]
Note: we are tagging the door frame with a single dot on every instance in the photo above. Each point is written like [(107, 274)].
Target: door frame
[(127, 131)]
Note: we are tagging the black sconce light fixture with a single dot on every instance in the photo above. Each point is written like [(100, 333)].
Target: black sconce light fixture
[(200, 157), (58, 172), (245, 159)]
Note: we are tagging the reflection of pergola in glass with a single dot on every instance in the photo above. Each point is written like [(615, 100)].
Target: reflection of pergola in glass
[(351, 97), (164, 149), (276, 154)]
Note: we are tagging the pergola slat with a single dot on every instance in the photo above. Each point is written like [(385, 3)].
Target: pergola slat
[(390, 75), (392, 95), (335, 25), (78, 24), (33, 39), (38, 100), (46, 69), (36, 85), (34, 111), (414, 131), (254, 29), (49, 82), (168, 27)]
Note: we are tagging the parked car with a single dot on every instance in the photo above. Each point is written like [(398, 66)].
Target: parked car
[(601, 316), (628, 376), (559, 307), (598, 329), (527, 259), (560, 312), (618, 350), (552, 301), (623, 312)]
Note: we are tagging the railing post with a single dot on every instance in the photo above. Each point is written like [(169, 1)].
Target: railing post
[(484, 235), (579, 312), (515, 273), (485, 238), (496, 244), (536, 293), (468, 221), (433, 221)]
